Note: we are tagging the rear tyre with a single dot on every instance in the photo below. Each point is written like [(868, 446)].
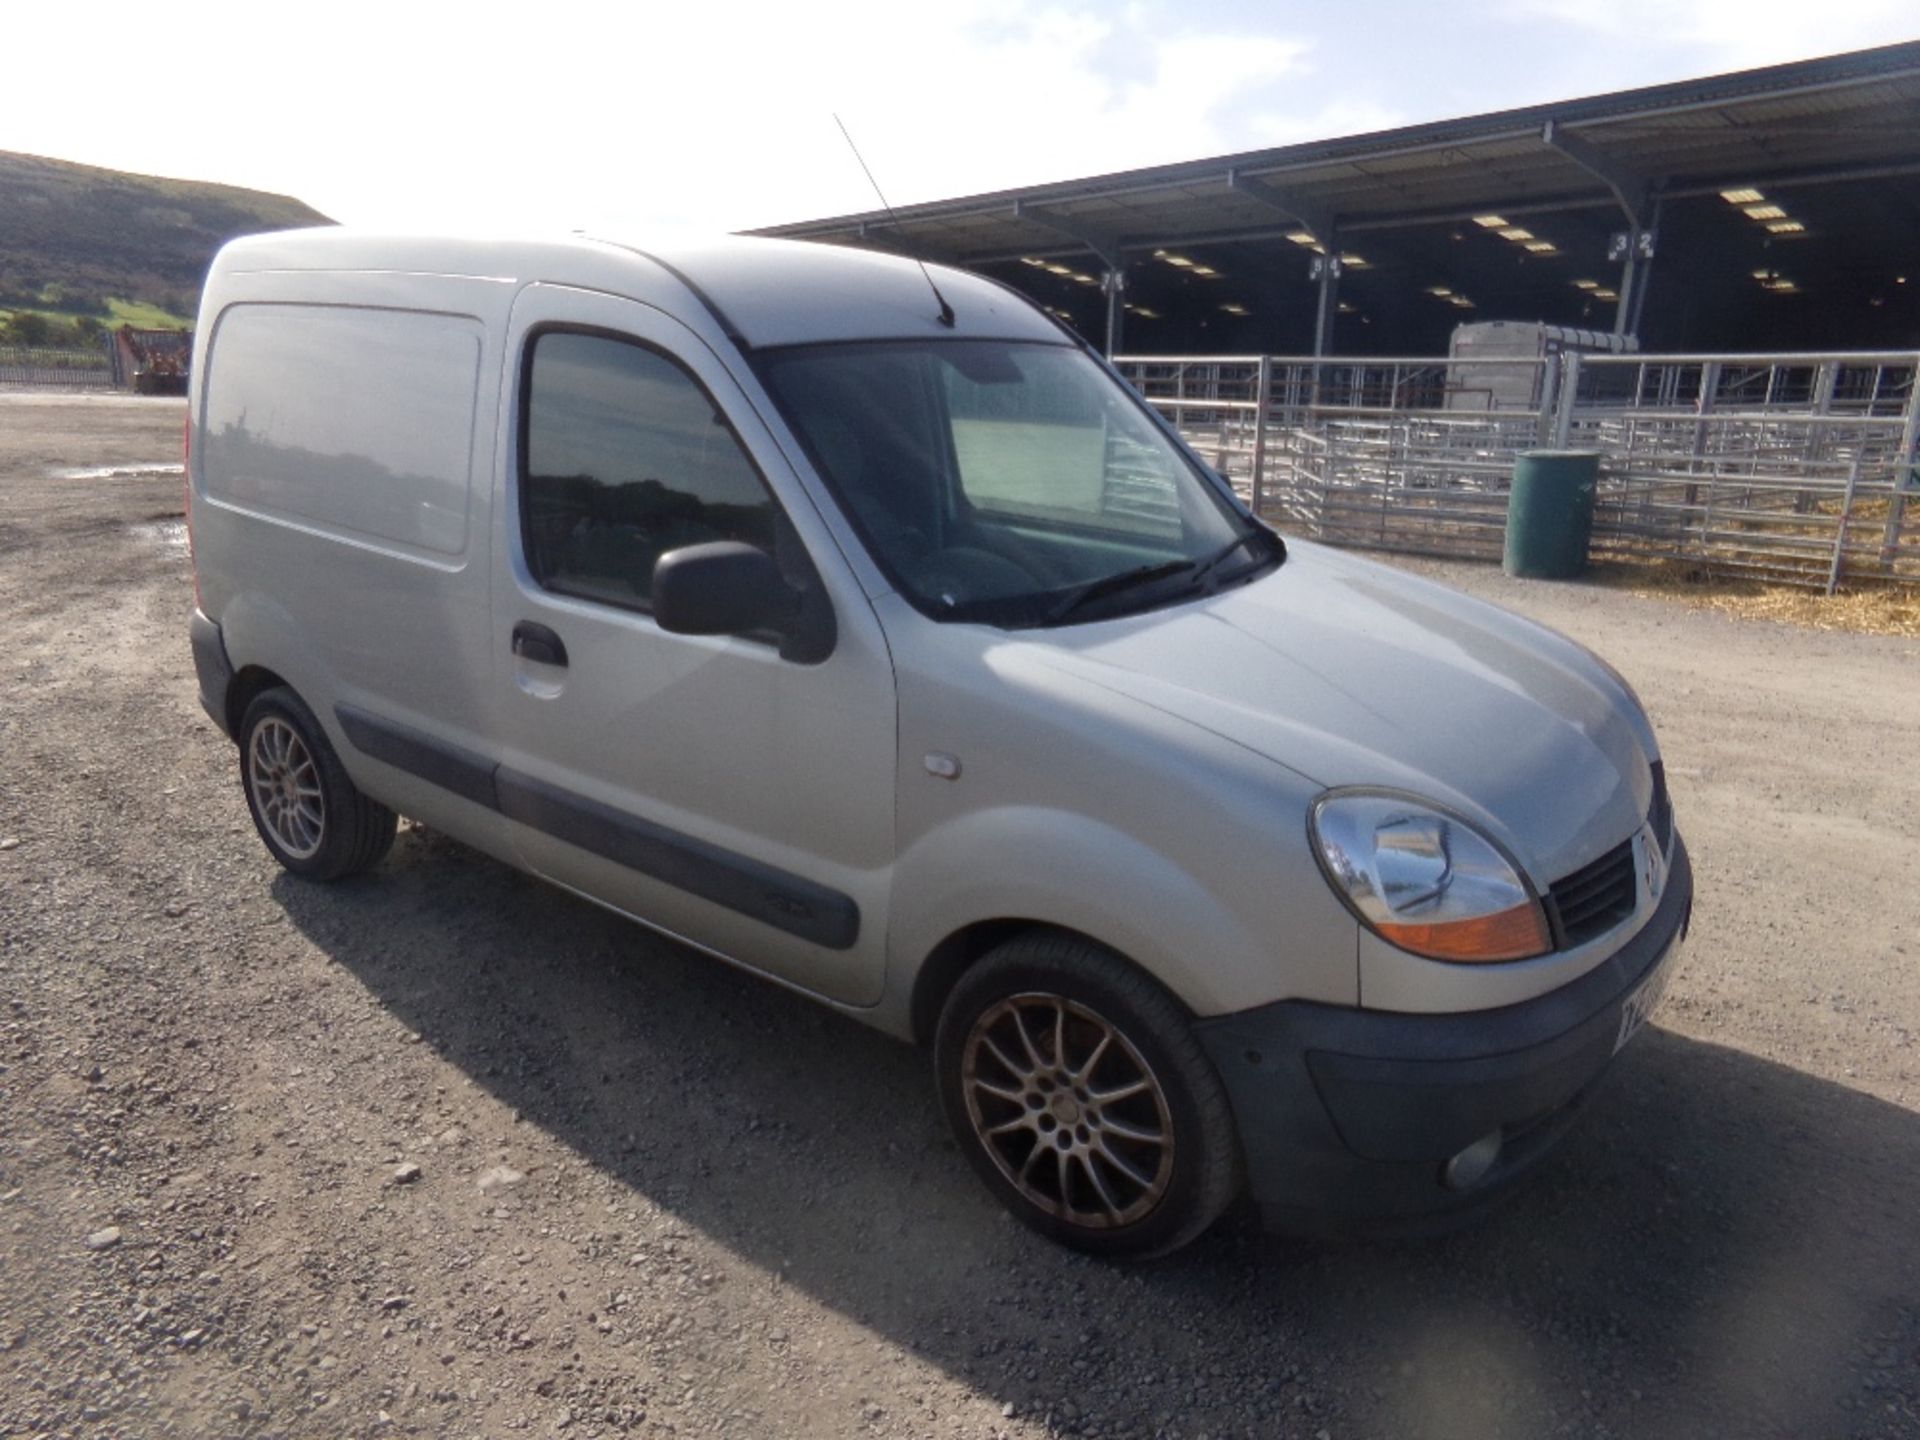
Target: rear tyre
[(310, 816), (1077, 1090)]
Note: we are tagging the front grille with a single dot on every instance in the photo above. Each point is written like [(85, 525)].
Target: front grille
[(1660, 812), (1595, 898)]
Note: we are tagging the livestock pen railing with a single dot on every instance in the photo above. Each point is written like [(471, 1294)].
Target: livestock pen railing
[(66, 369), (1797, 468)]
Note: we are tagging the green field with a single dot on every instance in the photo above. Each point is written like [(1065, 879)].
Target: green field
[(142, 316), (137, 313)]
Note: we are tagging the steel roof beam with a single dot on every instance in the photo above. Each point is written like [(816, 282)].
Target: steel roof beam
[(1632, 189), (1318, 221), (1348, 228), (1836, 175), (1890, 64), (1635, 192), (1101, 243), (891, 237)]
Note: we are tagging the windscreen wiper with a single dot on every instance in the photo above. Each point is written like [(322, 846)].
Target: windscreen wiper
[(1220, 557), (1076, 599)]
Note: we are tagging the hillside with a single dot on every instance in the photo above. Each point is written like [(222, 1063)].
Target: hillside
[(79, 240)]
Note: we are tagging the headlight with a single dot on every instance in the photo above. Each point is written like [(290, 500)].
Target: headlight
[(1425, 880)]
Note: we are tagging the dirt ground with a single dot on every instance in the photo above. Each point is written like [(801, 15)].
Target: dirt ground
[(655, 1196)]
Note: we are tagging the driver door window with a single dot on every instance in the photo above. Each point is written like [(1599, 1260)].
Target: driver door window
[(624, 458)]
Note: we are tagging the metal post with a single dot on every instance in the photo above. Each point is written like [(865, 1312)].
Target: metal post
[(1569, 388), (1624, 304), (1115, 284), (1846, 511), (1324, 271), (1825, 376), (1906, 471), (1327, 308), (1262, 398), (1643, 248), (1645, 282), (1549, 400), (1703, 409)]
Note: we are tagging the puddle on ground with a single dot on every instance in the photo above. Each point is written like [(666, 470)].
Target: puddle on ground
[(118, 472), (168, 534)]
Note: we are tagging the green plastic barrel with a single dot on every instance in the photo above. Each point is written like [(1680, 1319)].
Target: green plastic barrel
[(1550, 513)]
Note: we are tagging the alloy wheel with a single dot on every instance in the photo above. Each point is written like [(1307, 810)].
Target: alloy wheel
[(286, 788), (1068, 1109)]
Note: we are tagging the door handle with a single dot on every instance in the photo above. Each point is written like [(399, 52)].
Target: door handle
[(538, 643)]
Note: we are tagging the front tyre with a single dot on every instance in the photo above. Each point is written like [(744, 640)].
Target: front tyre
[(1075, 1087), (311, 817)]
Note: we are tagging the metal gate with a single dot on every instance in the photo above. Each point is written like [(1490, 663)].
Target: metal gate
[(1798, 468)]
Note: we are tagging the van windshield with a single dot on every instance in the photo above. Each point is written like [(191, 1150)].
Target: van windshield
[(1015, 484)]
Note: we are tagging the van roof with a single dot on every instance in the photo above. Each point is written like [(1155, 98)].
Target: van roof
[(762, 292)]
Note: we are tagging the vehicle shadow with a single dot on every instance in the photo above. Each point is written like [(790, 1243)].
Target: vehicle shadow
[(1725, 1246)]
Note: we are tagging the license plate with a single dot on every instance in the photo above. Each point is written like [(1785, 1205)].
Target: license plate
[(1641, 1004)]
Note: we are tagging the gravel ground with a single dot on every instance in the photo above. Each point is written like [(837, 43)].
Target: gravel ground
[(445, 1152)]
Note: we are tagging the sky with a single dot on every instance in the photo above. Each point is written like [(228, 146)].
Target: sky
[(636, 118)]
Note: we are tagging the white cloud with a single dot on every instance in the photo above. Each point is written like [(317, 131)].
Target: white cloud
[(713, 115), (628, 117), (1340, 118)]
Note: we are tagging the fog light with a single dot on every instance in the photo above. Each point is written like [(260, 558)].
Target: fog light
[(1470, 1166)]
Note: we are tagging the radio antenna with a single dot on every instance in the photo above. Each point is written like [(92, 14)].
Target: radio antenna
[(946, 310)]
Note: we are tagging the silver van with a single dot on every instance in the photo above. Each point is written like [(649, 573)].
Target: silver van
[(854, 623)]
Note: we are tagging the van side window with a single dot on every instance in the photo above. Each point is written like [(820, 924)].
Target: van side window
[(623, 458)]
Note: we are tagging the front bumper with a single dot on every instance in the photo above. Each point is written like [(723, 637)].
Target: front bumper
[(1348, 1117)]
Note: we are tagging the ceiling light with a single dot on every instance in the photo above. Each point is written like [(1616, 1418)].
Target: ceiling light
[(1742, 197), (1542, 247), (1783, 287), (1586, 284), (1206, 272), (1765, 212), (1491, 222), (1059, 269), (1345, 309), (1031, 260), (1515, 233), (1232, 309), (1899, 279), (1606, 295), (1763, 274), (1462, 302), (1440, 290), (1786, 227), (1178, 260), (1085, 279), (1353, 262), (1303, 237)]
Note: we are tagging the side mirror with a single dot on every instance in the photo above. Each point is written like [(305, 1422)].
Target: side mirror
[(727, 588)]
